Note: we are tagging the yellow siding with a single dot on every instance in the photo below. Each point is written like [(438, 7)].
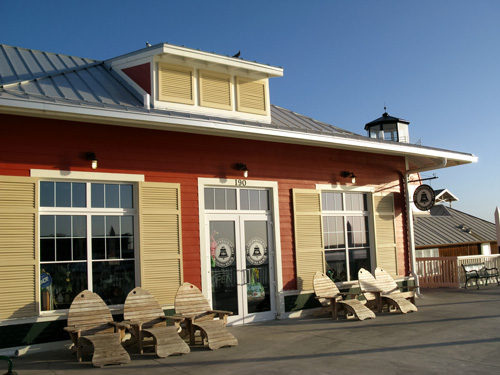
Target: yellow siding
[(161, 247), (18, 247), (215, 90), (175, 83), (385, 233), (251, 96), (308, 232)]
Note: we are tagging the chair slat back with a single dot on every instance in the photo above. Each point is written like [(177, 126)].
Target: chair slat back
[(324, 286), (189, 300), (386, 282), (367, 284), (89, 312), (142, 306)]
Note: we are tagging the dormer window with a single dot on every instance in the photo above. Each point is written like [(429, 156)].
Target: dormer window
[(176, 83), (251, 96), (215, 90)]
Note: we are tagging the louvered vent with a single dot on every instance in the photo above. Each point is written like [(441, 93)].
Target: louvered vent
[(176, 83), (215, 90), (252, 96)]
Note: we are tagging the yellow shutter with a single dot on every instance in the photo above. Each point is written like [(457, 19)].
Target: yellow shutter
[(175, 83), (161, 247), (251, 96), (18, 247), (215, 90), (308, 232), (385, 233)]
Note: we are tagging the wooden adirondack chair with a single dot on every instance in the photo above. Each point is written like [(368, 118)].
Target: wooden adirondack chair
[(389, 286), (373, 291), (146, 318), (332, 300), (192, 305), (90, 324)]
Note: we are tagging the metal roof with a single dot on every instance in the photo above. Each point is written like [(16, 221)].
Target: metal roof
[(62, 86), (447, 226), (386, 118)]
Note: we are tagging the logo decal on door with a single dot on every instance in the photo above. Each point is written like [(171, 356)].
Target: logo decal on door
[(224, 253), (256, 251)]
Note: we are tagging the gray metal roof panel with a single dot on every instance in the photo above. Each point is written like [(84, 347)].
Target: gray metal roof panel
[(447, 226)]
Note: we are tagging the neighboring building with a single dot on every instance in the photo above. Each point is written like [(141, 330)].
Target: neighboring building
[(169, 164), (444, 231)]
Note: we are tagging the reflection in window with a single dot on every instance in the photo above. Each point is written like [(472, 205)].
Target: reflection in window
[(80, 238), (345, 234)]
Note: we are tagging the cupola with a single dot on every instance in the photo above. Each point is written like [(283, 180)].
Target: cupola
[(389, 128)]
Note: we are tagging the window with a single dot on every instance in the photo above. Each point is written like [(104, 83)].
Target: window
[(252, 96), (176, 83), (226, 199), (215, 90), (87, 241), (345, 234)]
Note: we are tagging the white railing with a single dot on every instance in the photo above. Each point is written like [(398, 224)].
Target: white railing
[(448, 272)]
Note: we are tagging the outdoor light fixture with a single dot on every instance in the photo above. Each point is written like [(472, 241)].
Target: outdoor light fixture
[(242, 167), (91, 156), (349, 174)]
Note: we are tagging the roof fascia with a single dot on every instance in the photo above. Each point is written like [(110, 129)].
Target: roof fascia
[(188, 54), (210, 127)]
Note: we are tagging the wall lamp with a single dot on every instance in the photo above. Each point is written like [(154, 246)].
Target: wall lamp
[(242, 167), (91, 156), (346, 174)]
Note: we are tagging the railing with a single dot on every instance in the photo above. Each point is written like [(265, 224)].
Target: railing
[(447, 271)]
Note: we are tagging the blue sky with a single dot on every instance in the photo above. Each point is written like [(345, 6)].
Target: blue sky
[(435, 63)]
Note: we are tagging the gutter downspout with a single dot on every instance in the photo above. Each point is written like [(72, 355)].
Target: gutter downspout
[(409, 213)]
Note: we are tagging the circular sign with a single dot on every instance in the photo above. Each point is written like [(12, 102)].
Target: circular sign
[(224, 253), (424, 197), (45, 280), (256, 251)]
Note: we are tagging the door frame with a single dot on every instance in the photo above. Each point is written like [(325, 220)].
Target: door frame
[(205, 269)]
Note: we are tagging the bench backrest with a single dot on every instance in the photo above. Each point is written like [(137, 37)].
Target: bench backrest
[(473, 267)]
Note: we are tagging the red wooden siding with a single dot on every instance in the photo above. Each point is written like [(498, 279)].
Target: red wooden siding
[(181, 158), (140, 74)]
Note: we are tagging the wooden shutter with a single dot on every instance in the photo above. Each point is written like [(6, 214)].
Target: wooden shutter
[(175, 83), (215, 90), (251, 96), (385, 233), (161, 246), (18, 247), (309, 251)]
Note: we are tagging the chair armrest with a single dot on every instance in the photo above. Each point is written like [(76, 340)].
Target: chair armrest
[(120, 325), (72, 329), (175, 318), (221, 312)]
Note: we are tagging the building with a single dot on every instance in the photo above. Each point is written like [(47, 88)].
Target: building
[(169, 164), (444, 232)]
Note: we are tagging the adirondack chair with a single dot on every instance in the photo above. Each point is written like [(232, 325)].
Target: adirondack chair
[(192, 305), (390, 286), (90, 324), (373, 291), (332, 300), (146, 319)]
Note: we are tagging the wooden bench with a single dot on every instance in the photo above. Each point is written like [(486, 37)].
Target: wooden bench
[(476, 271)]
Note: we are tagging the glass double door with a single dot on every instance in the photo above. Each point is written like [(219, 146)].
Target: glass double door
[(241, 266)]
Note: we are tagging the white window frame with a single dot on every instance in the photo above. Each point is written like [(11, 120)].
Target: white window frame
[(88, 178), (369, 213)]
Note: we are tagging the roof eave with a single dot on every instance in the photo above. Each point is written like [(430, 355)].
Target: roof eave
[(428, 158)]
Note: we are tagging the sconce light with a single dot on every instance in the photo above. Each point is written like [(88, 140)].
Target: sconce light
[(242, 167), (91, 156), (349, 174)]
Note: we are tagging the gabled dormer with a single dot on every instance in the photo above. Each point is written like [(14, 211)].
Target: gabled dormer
[(180, 79)]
